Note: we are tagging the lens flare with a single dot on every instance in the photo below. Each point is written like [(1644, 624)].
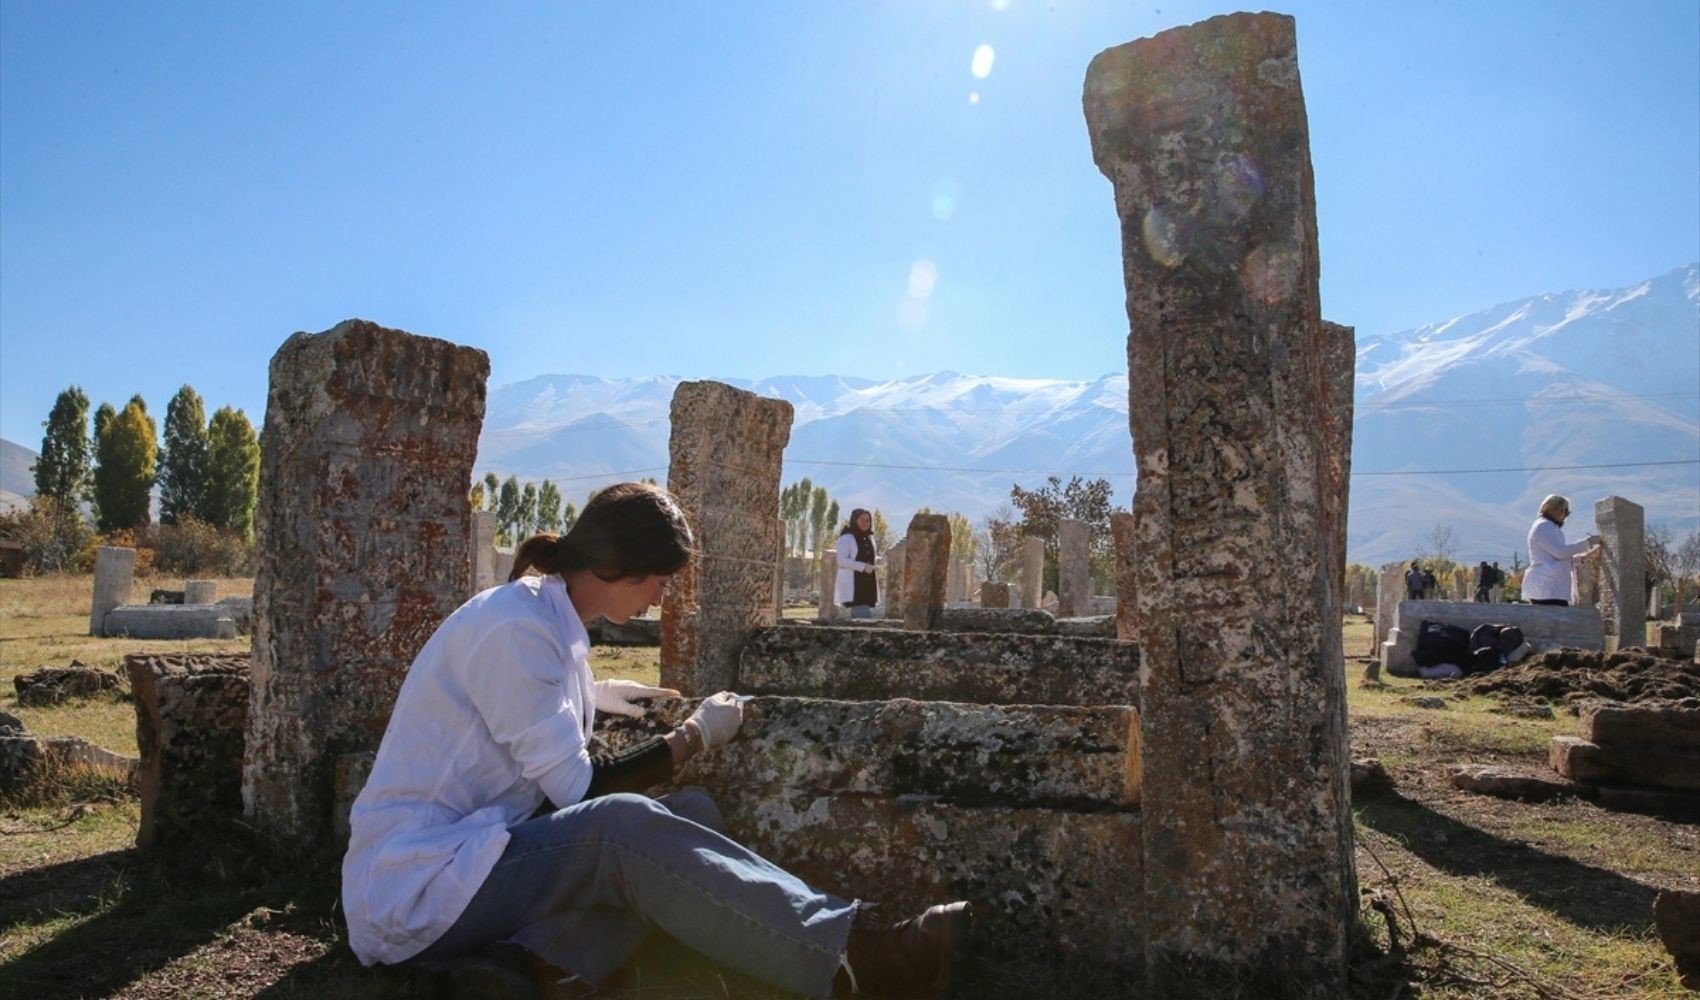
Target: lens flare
[(945, 195), (981, 65), (973, 97), (1165, 236), (1239, 186), (923, 277)]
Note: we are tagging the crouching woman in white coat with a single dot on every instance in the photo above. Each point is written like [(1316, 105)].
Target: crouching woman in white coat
[(452, 863)]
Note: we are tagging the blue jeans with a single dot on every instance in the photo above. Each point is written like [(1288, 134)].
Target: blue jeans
[(861, 611), (582, 886)]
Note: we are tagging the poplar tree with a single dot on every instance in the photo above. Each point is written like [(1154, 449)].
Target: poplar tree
[(233, 473), (183, 460), (62, 471), (527, 514), (125, 455), (507, 508), (548, 507), (492, 487)]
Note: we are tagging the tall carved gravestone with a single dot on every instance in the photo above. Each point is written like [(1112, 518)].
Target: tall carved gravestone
[(1389, 591), (1247, 826), (1621, 525), (724, 459), (1032, 571), (1127, 580), (114, 576), (894, 581), (364, 536), (1074, 570), (926, 562)]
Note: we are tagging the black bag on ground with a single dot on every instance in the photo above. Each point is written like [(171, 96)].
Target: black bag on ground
[(1438, 642), (1503, 639)]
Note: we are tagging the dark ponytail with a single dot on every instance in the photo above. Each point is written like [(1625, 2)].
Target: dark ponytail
[(626, 530)]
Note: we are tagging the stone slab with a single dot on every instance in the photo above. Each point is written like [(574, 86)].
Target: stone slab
[(1610, 724), (1510, 783), (1579, 760), (171, 621), (1033, 622), (633, 632), (984, 668), (1665, 802), (1546, 627)]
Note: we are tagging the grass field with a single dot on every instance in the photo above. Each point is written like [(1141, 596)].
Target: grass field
[(1510, 899)]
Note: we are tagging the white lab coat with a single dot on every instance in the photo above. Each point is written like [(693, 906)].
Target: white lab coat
[(1548, 577), (844, 584), (495, 713)]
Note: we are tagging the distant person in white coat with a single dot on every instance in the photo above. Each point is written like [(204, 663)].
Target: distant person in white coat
[(1549, 579), (855, 587)]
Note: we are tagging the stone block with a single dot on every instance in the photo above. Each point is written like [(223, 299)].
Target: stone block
[(1032, 571), (926, 564), (724, 457), (1580, 760), (171, 621), (52, 685), (1668, 803), (1611, 724), (364, 538), (983, 668), (1094, 627), (200, 592), (114, 576), (191, 721), (994, 595), (827, 609)]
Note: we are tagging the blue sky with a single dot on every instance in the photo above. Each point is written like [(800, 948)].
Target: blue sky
[(751, 189)]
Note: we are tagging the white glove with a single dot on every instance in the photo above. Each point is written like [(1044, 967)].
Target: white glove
[(717, 719), (620, 697)]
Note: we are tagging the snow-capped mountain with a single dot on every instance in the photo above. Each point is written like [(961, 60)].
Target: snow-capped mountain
[(1581, 378)]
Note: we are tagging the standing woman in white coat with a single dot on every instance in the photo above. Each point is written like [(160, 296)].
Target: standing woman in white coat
[(856, 587), (492, 844), (1549, 579)]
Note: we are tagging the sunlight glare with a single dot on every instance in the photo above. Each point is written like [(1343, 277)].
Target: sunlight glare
[(1001, 4), (973, 97), (1162, 234), (981, 66), (923, 276)]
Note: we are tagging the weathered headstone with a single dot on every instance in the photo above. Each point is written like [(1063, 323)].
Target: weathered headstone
[(1389, 591), (1127, 581), (200, 591), (828, 608), (926, 562), (894, 580), (484, 551), (1623, 571), (1247, 826), (994, 595), (724, 458), (364, 533), (1074, 571), (114, 575), (191, 722), (1032, 571), (953, 581)]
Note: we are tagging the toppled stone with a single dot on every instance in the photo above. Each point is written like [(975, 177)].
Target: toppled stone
[(191, 719), (23, 755), (11, 725), (171, 621), (1509, 783), (52, 685), (1676, 913), (1523, 710), (1658, 767), (631, 632), (1369, 777), (984, 668), (1425, 701)]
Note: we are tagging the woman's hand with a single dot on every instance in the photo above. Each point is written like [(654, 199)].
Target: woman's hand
[(716, 720), (620, 697)]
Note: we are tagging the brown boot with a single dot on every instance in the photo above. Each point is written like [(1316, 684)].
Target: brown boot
[(911, 957)]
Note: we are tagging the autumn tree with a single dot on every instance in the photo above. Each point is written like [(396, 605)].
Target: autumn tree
[(125, 455), (999, 543), (62, 471), (232, 485), (1083, 500), (183, 459)]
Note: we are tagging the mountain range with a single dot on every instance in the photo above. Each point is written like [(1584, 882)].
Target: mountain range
[(1576, 392)]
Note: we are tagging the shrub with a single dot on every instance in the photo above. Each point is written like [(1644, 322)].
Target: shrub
[(52, 534), (194, 548)]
